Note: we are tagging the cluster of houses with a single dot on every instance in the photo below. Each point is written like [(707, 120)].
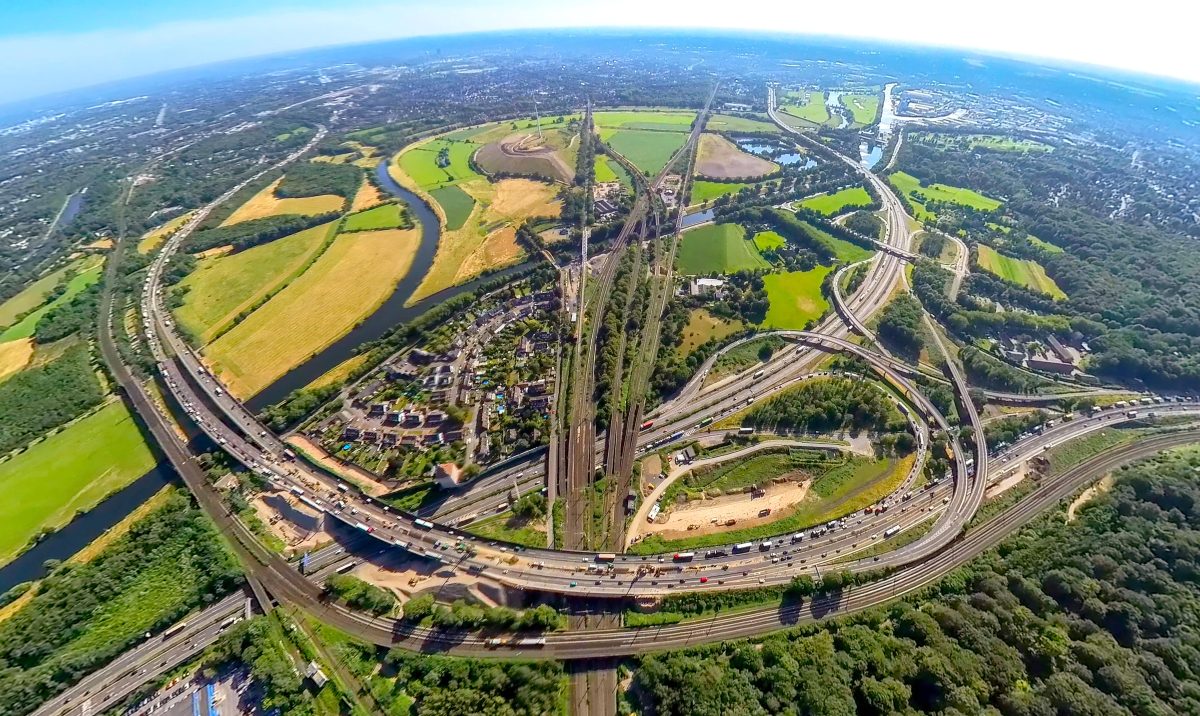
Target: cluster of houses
[(1050, 356)]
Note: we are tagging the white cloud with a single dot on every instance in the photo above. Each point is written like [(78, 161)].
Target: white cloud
[(1155, 39)]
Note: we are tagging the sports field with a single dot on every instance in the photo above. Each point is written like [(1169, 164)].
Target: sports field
[(89, 273), (703, 191), (265, 203), (907, 184), (223, 287), (838, 202), (648, 149), (717, 248), (795, 298), (487, 238), (154, 238), (69, 472), (385, 216), (346, 284), (808, 106), (863, 106), (1022, 272), (720, 158), (727, 123)]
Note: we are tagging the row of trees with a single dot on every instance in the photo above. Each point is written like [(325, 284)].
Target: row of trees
[(464, 615), (1092, 618)]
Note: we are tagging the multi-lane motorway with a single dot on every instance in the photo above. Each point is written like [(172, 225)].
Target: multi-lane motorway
[(950, 503)]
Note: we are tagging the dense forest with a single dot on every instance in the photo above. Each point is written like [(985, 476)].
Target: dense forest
[(900, 326), (1093, 617), (317, 178), (828, 404), (445, 686), (84, 614), (43, 397), (1129, 277)]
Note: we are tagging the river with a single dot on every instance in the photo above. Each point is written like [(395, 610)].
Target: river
[(391, 313), (87, 527), (84, 529)]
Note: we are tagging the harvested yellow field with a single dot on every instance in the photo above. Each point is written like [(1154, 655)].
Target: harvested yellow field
[(339, 373), (265, 203), (520, 199), (222, 288), (215, 252), (368, 195), (102, 244), (499, 248), (350, 280), (15, 355), (154, 238), (481, 244)]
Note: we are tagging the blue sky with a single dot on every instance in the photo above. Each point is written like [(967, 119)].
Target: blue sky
[(52, 45)]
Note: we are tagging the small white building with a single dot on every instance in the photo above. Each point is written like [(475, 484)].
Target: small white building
[(706, 286)]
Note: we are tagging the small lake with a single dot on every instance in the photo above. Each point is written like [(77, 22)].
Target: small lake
[(870, 154), (699, 217), (759, 148)]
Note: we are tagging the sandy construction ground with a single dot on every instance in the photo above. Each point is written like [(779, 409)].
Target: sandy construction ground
[(407, 577), (720, 158), (368, 482), (299, 526), (701, 515)]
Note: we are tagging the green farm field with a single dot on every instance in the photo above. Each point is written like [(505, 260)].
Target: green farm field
[(421, 163), (795, 298), (35, 294), (843, 250), (351, 278), (384, 216), (907, 184), (1045, 245), (670, 121), (223, 287), (69, 472), (703, 191), (88, 273), (1023, 272), (648, 149), (838, 202), (717, 248), (456, 203), (728, 123)]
